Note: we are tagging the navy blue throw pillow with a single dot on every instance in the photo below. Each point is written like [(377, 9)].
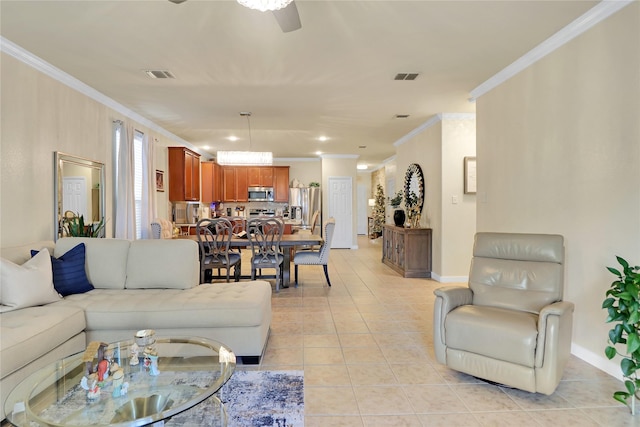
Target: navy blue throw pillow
[(69, 275)]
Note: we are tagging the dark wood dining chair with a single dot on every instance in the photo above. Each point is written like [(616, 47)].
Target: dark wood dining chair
[(265, 234), (214, 236)]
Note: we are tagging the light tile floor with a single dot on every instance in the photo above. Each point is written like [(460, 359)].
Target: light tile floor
[(365, 346)]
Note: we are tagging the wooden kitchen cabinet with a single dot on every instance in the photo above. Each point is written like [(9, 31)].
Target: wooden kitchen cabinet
[(281, 184), (407, 250), (235, 183), (211, 182), (260, 176), (184, 174)]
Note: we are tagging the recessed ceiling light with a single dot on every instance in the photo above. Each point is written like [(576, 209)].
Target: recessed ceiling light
[(205, 147), (362, 167), (322, 138), (233, 138), (318, 153)]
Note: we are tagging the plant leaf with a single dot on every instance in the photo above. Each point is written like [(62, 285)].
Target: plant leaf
[(610, 352), (614, 271), (623, 262), (633, 342), (631, 386), (628, 367), (621, 397)]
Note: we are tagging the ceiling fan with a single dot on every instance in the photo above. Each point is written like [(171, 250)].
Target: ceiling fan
[(287, 17)]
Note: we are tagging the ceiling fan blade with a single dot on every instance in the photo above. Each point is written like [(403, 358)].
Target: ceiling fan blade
[(288, 18)]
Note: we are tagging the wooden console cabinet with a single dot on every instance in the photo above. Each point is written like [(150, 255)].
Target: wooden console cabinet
[(407, 250)]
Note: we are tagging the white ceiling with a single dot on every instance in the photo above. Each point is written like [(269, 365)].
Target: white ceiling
[(333, 77)]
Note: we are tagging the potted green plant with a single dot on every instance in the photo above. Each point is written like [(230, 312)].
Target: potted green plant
[(74, 226), (398, 214), (623, 307)]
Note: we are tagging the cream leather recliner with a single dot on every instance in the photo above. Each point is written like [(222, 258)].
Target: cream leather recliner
[(510, 325)]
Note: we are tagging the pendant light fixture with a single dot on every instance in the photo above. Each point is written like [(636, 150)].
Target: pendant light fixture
[(265, 5), (245, 158)]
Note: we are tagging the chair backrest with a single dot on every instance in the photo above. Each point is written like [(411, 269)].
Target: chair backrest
[(161, 229), (329, 227), (264, 236), (214, 236), (156, 230), (314, 220), (517, 271)]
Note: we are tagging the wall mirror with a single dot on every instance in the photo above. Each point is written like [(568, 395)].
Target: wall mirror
[(79, 190), (414, 183)]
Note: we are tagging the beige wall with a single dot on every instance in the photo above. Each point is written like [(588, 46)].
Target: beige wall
[(458, 209), (305, 171), (439, 150), (558, 152), (40, 116)]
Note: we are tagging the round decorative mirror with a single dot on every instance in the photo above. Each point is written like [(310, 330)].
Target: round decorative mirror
[(414, 187)]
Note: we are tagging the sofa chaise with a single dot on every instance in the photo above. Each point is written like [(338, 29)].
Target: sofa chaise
[(142, 284)]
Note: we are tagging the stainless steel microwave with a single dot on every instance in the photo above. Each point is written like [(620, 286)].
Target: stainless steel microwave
[(261, 194)]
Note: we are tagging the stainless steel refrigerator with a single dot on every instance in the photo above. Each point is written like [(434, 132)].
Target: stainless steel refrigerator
[(303, 202)]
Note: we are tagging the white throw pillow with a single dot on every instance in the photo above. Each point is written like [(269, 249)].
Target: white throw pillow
[(27, 285)]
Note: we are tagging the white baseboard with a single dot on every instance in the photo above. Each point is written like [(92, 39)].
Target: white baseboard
[(449, 279), (600, 361)]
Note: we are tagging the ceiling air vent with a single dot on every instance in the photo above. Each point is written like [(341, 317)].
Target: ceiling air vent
[(160, 74), (406, 76), (401, 116)]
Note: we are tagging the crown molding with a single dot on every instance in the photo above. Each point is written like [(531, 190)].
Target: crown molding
[(339, 156), (593, 16), (39, 64), (432, 122), (426, 125), (296, 159)]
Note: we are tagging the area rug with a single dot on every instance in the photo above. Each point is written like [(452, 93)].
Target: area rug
[(252, 399)]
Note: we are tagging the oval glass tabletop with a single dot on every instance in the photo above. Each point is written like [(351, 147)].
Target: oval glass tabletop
[(185, 372)]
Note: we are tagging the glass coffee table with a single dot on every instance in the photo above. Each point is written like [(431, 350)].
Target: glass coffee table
[(189, 370)]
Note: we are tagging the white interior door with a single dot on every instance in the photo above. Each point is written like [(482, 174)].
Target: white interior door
[(74, 195), (341, 208)]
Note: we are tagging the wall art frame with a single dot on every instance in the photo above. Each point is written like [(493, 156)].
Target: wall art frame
[(470, 175)]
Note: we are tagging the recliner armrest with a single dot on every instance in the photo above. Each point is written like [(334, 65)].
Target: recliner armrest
[(560, 309), (454, 296), (446, 300)]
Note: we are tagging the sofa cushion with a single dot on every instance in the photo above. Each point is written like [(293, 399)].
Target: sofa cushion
[(32, 332), (106, 259), (163, 264), (238, 304), (69, 275), (27, 285)]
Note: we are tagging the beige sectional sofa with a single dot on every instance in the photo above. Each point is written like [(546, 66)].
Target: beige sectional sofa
[(143, 284)]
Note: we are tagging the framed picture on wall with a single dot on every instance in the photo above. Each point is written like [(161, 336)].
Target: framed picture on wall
[(469, 175), (159, 180)]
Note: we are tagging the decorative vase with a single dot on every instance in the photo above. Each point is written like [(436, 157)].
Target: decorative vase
[(398, 217)]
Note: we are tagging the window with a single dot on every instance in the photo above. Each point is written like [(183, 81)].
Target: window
[(137, 183), (128, 215)]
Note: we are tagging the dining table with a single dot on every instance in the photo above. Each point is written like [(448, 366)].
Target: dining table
[(288, 242)]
